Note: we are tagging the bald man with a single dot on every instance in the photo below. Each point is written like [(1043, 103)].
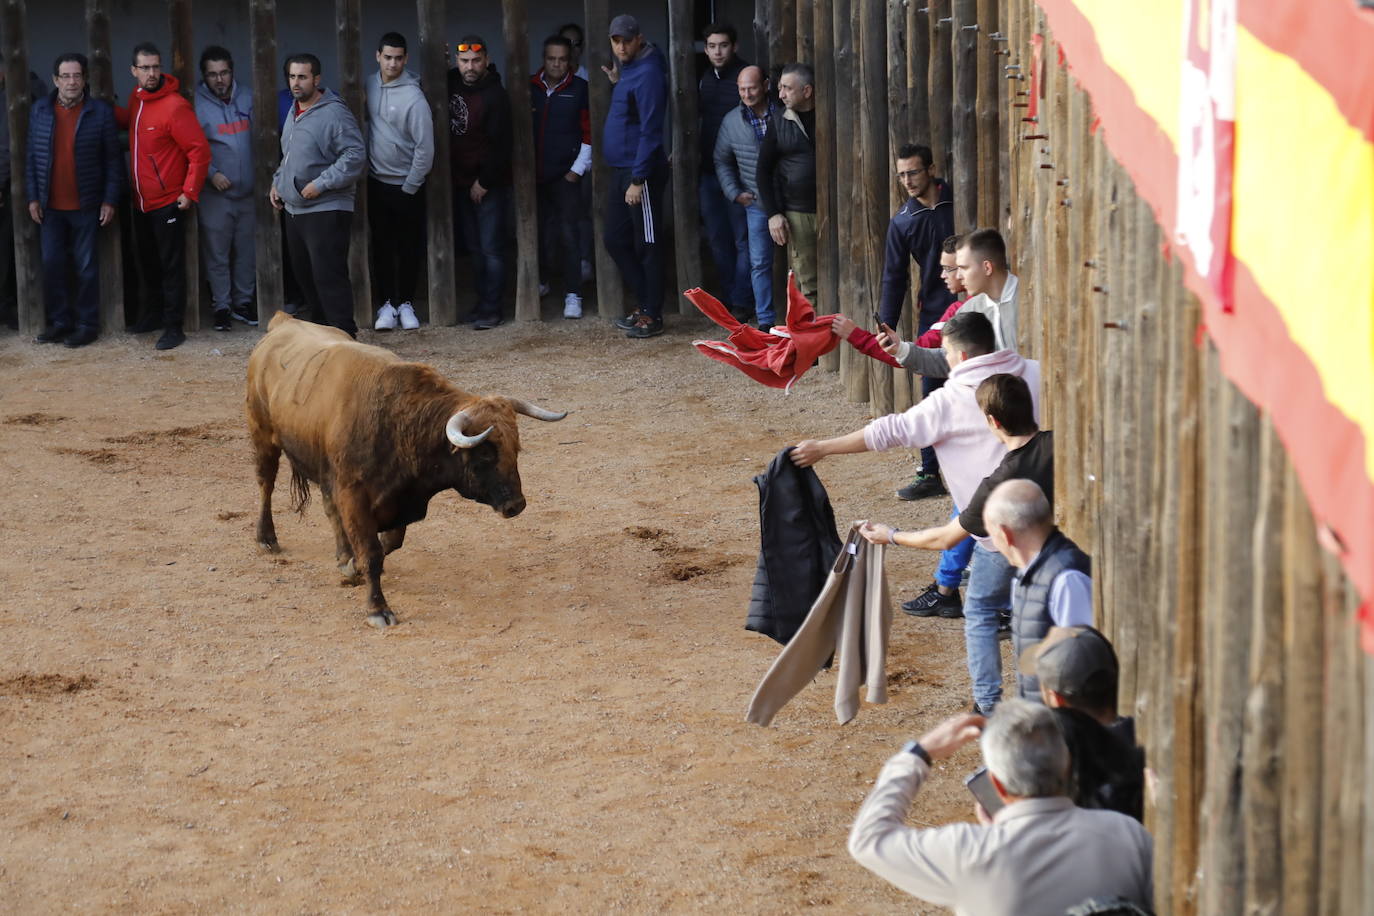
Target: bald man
[(737, 157), (1052, 587)]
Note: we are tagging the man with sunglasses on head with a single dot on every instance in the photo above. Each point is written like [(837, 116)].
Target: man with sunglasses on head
[(169, 158), (480, 160)]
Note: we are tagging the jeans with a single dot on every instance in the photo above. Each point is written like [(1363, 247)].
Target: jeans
[(950, 572), (227, 227), (168, 228), (397, 221), (481, 226), (68, 239), (989, 593), (634, 237), (727, 234), (319, 255), (760, 262), (560, 206)]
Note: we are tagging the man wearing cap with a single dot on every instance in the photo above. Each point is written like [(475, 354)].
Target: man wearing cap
[(1078, 673), (1052, 587), (632, 142), (1038, 853)]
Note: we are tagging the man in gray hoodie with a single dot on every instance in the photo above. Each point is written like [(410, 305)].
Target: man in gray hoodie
[(322, 159), (224, 108), (400, 152)]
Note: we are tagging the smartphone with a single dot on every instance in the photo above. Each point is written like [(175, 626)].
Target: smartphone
[(877, 322), (979, 782)]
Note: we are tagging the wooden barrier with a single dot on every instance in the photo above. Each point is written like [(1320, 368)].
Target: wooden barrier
[(439, 292), (514, 22), (348, 15)]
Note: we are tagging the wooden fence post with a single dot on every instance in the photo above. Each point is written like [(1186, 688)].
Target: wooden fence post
[(610, 299), (27, 260), (900, 130), (989, 114), (827, 181), (348, 14), (183, 67), (940, 86), (514, 22), (964, 99), (267, 241), (685, 170), (440, 297), (849, 220), (101, 83), (875, 185)]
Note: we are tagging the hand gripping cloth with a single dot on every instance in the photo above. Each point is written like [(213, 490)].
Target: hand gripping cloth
[(851, 618)]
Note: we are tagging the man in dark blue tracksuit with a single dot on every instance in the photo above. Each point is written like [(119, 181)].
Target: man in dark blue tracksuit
[(633, 144), (562, 156)]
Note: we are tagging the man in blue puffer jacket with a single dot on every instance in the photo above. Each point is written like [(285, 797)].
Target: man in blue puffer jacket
[(633, 143), (73, 169)]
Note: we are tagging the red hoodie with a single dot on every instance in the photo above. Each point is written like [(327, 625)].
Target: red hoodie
[(168, 153)]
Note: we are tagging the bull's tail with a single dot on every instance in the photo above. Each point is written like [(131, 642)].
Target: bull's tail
[(300, 489)]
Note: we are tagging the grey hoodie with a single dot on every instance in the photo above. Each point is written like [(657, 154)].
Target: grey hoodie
[(228, 128), (400, 131), (323, 145)]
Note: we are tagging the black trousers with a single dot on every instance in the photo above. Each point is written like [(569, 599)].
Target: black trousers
[(397, 221), (167, 226), (318, 243), (560, 211), (635, 237)]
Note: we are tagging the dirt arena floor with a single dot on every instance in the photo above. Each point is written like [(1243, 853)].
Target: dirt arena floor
[(190, 725)]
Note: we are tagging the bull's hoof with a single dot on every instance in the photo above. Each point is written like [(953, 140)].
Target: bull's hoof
[(270, 546), (381, 619), (350, 574)]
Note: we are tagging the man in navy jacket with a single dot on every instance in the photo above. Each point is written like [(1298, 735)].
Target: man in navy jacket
[(633, 144), (73, 169), (727, 231), (562, 156)]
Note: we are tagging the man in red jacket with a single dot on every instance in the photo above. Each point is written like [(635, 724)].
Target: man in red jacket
[(169, 158)]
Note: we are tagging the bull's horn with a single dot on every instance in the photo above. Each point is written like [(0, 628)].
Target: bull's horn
[(454, 431), (534, 410)]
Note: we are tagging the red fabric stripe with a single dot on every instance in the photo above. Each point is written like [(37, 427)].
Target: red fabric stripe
[(1331, 39)]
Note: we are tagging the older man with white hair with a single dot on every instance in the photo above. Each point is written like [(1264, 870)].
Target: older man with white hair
[(1037, 854), (1051, 586)]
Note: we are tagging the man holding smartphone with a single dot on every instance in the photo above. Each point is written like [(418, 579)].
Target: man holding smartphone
[(1038, 854)]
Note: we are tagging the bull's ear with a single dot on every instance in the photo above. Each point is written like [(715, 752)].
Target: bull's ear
[(534, 410)]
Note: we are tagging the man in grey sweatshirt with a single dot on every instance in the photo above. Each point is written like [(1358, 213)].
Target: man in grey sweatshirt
[(322, 159), (400, 153), (224, 108)]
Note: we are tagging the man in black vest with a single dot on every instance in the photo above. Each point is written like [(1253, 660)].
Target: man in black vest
[(1052, 587)]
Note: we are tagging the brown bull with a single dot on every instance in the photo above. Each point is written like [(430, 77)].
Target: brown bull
[(378, 436)]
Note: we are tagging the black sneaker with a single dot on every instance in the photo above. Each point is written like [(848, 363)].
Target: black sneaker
[(925, 604), (951, 606), (486, 324), (247, 313), (629, 320), (171, 339), (646, 327), (222, 322), (923, 487), (53, 335), (83, 337), (146, 324)]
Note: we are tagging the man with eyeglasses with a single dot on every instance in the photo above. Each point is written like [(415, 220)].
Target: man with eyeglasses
[(169, 158), (224, 108), (72, 168), (480, 160), (916, 233)]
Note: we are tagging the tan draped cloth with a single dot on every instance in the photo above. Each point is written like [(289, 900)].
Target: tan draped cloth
[(850, 619)]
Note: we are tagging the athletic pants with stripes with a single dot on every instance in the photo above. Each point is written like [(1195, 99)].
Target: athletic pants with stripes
[(636, 236)]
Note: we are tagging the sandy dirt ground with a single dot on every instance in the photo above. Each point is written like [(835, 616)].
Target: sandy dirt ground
[(190, 725)]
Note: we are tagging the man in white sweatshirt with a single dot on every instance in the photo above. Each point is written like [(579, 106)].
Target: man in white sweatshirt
[(951, 421), (400, 153)]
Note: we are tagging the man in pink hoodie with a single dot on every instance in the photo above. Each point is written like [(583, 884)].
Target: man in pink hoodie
[(951, 421)]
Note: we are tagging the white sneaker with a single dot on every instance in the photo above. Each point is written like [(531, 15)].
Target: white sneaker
[(386, 317), (543, 290), (408, 319), (572, 306), (586, 271)]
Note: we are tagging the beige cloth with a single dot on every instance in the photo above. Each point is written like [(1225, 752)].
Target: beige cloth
[(851, 619)]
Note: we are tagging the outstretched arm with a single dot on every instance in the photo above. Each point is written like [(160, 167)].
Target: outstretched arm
[(809, 451)]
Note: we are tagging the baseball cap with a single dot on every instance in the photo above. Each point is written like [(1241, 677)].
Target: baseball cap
[(1067, 657), (624, 25)]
